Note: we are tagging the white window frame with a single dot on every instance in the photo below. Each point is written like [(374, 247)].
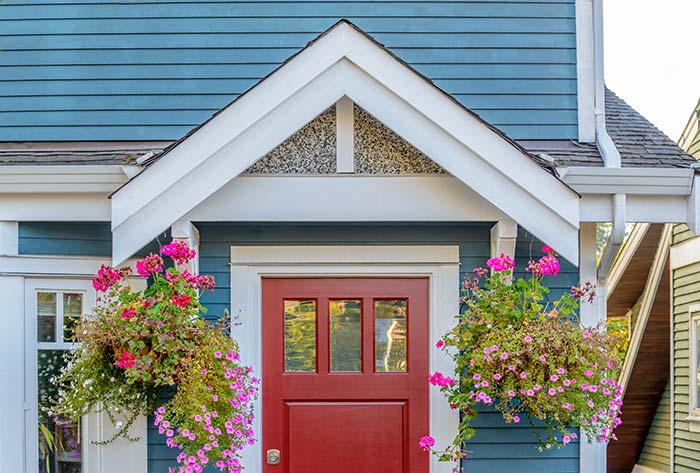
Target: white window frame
[(440, 264), (693, 339), (32, 288)]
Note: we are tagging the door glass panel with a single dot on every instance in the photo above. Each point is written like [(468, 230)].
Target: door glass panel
[(390, 335), (59, 440), (46, 316), (72, 310), (299, 336), (346, 335)]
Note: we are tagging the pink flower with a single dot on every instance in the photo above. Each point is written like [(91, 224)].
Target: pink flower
[(554, 378), (530, 392), (561, 371), (543, 358), (128, 313), (511, 393), (588, 373), (586, 334), (106, 278), (439, 344), (552, 391), (426, 443), (527, 338), (181, 301), (548, 264), (438, 379), (476, 377), (497, 376), (501, 263), (566, 439), (149, 265), (516, 419), (178, 251), (547, 249), (523, 375), (127, 360), (566, 405)]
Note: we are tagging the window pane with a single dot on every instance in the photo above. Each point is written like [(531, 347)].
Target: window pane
[(59, 441), (390, 335), (72, 310), (300, 336), (46, 316), (346, 335)]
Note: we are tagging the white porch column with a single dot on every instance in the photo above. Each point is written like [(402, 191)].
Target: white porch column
[(12, 355), (592, 455), (503, 237), (184, 230)]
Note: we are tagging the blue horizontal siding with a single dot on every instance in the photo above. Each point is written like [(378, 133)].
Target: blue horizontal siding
[(104, 70)]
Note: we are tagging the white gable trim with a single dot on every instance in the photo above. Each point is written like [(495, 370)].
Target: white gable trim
[(344, 62)]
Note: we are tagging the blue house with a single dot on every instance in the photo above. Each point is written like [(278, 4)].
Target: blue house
[(389, 145)]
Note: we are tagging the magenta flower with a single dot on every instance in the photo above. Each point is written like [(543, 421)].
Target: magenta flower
[(547, 249), (516, 419), (128, 313), (106, 278), (501, 263), (178, 251), (439, 344), (126, 360), (426, 443), (149, 265)]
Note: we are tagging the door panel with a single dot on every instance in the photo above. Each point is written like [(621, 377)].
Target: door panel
[(345, 367)]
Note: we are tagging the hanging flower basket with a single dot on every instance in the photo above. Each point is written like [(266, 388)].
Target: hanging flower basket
[(517, 351), (137, 343)]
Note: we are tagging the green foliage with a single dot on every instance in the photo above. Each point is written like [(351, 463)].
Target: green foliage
[(524, 356)]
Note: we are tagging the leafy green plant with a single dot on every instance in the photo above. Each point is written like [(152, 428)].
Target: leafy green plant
[(136, 343), (528, 358)]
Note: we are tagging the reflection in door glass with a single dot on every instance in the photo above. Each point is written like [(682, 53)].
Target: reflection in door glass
[(46, 316), (299, 336), (346, 335), (390, 335), (72, 310)]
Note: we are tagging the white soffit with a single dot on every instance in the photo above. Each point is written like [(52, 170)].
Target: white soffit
[(344, 62)]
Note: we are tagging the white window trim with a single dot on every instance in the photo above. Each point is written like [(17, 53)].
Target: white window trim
[(118, 456), (693, 338), (440, 264)]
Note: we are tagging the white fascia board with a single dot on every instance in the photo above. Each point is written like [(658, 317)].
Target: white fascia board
[(54, 265), (82, 207), (685, 253), (60, 179), (346, 198), (638, 208), (345, 63), (640, 181)]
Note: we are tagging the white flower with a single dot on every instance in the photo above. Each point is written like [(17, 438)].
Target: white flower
[(118, 425)]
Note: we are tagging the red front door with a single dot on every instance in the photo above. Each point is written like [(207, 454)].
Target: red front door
[(345, 368)]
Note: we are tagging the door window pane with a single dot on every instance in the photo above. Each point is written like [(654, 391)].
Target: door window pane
[(299, 336), (72, 310), (59, 440), (46, 316), (390, 335), (346, 335)]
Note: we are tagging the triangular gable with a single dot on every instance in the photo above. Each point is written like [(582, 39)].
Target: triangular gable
[(344, 61)]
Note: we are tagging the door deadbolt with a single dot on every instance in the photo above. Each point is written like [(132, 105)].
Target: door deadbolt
[(273, 457)]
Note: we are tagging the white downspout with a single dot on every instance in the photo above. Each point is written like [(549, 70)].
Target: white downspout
[(606, 146)]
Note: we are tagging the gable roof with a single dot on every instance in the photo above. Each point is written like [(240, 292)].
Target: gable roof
[(344, 61)]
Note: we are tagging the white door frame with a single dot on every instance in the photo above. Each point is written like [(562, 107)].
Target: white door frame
[(440, 264)]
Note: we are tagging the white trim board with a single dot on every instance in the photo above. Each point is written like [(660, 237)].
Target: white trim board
[(626, 255), (685, 253), (440, 264), (345, 198), (55, 266), (61, 179), (344, 62)]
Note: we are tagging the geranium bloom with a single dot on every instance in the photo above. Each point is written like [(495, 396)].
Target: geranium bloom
[(426, 442), (438, 379), (178, 251), (149, 265), (439, 344), (127, 360), (181, 301), (547, 249), (128, 313), (501, 263), (106, 278)]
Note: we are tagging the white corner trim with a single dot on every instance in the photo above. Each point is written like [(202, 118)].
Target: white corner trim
[(504, 236), (61, 179), (685, 253), (648, 297), (585, 70), (693, 337), (441, 267), (185, 231), (345, 135), (693, 218), (626, 255), (344, 62), (9, 238)]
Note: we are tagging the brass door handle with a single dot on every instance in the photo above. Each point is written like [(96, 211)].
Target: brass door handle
[(273, 457)]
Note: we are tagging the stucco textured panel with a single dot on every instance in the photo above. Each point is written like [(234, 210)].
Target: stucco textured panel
[(378, 150), (311, 150)]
